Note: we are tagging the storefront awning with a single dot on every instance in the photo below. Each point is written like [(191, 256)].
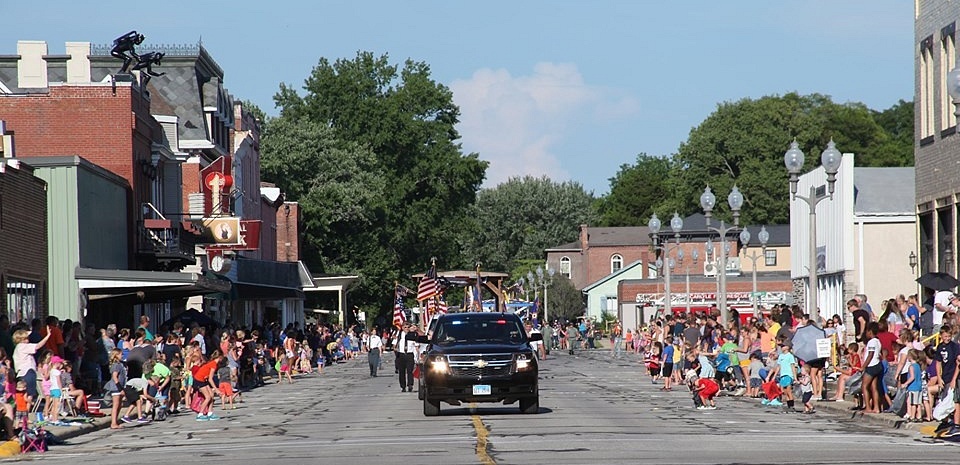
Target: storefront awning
[(146, 286), (264, 280)]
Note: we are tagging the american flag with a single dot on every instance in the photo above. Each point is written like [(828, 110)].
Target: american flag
[(429, 286), (438, 306), (399, 318)]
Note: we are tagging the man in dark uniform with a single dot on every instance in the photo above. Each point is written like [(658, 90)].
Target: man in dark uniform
[(406, 353)]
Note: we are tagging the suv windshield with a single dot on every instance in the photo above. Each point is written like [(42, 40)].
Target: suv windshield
[(479, 330)]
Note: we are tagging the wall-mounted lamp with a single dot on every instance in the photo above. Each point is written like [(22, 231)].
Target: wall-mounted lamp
[(913, 261)]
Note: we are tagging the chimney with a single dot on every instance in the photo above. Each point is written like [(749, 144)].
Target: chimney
[(32, 68), (584, 238), (78, 66)]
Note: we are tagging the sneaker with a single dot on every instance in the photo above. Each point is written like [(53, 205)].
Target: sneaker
[(126, 420), (953, 431), (711, 407), (202, 417), (702, 407), (740, 391), (764, 401), (143, 420), (212, 417), (775, 403)]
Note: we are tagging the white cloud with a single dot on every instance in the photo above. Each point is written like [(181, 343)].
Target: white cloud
[(519, 123)]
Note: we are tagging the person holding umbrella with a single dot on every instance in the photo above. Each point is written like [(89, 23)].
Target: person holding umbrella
[(805, 349)]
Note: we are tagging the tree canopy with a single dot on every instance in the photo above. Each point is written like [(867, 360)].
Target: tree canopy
[(424, 185), (523, 216), (743, 143)]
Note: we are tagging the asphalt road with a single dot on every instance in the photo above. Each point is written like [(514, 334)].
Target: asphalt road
[(593, 410)]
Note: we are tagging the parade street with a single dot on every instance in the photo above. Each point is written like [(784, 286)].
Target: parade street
[(593, 410)]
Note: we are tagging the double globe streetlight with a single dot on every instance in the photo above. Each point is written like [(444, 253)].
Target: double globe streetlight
[(676, 224), (544, 281), (830, 159), (707, 202), (764, 236)]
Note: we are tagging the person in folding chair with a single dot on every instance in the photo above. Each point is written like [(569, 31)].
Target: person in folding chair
[(25, 363), (74, 399)]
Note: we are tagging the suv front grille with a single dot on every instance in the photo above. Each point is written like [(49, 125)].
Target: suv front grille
[(480, 365)]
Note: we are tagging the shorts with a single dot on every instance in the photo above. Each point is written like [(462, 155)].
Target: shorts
[(197, 384), (709, 392), (226, 389), (786, 381), (56, 393), (874, 371), (914, 397), (654, 370), (667, 370), (818, 363), (755, 382), (807, 396)]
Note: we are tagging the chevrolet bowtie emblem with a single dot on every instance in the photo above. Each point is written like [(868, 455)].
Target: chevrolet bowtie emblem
[(481, 363)]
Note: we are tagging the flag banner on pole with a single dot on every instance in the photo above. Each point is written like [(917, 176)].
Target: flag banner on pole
[(399, 318), (404, 291), (429, 286), (437, 306)]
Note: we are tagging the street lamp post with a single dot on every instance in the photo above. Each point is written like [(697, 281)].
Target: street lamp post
[(545, 282), (707, 202), (676, 224), (764, 236), (696, 256), (830, 159)]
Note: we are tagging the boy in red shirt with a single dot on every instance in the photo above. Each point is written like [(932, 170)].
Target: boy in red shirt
[(705, 388)]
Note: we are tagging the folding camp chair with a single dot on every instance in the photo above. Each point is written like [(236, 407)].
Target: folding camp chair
[(32, 439)]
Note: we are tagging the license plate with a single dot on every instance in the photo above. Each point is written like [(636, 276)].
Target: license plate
[(481, 390)]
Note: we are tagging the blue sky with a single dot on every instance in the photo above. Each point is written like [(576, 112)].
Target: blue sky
[(567, 89)]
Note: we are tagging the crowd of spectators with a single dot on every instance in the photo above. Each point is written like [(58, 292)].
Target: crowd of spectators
[(52, 370), (900, 358)]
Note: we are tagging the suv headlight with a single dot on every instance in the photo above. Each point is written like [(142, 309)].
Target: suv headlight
[(524, 362), (438, 364)]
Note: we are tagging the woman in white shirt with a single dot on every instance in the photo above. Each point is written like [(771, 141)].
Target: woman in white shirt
[(873, 369), (25, 363), (374, 346)]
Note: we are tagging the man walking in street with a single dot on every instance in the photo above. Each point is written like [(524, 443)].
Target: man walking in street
[(374, 346), (406, 348)]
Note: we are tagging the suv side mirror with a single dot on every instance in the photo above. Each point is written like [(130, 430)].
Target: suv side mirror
[(535, 337), (422, 339)]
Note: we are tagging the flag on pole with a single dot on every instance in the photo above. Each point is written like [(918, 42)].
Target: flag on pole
[(437, 306), (476, 302), (429, 286), (399, 317)]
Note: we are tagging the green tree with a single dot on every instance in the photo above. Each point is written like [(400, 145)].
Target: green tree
[(566, 302), (634, 192), (521, 217), (743, 143), (407, 121), (340, 187)]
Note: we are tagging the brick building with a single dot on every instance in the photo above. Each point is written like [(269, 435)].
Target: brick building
[(937, 144), (23, 236)]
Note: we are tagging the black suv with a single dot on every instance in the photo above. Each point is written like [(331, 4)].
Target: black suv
[(479, 357)]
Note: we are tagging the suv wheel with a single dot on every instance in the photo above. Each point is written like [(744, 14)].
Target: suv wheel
[(530, 405), (431, 408)]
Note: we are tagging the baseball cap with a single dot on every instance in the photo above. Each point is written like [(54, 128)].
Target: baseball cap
[(56, 359), (691, 374), (787, 344)]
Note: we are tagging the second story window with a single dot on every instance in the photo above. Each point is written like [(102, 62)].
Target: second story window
[(770, 257), (565, 266), (616, 262)]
